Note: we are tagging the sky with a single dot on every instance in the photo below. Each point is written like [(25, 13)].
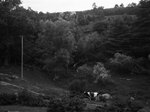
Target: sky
[(71, 5)]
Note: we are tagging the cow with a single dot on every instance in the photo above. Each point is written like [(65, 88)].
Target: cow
[(90, 95), (97, 96)]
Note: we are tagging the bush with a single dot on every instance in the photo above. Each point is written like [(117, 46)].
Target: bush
[(66, 105), (54, 68), (141, 66), (77, 87), (23, 98), (56, 106), (75, 105), (7, 99), (85, 71), (120, 104), (96, 74), (100, 73), (121, 63), (28, 99), (135, 106), (111, 108)]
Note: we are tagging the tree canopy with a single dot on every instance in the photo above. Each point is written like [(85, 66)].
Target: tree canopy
[(61, 41)]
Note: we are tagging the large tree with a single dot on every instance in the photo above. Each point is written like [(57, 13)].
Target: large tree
[(140, 40), (56, 44), (14, 22)]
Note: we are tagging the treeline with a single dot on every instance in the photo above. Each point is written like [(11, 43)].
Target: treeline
[(59, 42)]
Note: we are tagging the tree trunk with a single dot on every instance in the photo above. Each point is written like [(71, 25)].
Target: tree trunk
[(6, 58), (6, 61)]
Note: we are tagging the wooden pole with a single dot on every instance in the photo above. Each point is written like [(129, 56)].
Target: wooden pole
[(21, 57)]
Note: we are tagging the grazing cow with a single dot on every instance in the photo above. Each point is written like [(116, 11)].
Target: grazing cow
[(98, 97), (103, 97), (87, 95), (90, 95), (95, 94), (106, 96)]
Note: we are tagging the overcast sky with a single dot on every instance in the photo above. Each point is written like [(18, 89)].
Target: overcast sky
[(71, 5)]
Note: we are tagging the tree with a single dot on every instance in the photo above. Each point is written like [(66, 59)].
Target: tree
[(132, 5), (140, 34), (121, 5), (118, 34), (16, 21), (100, 27), (89, 49), (94, 5), (10, 21), (116, 6), (57, 43)]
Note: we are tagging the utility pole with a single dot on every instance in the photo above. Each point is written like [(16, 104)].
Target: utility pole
[(21, 57)]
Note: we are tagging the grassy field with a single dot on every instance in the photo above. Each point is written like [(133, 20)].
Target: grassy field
[(135, 86), (34, 80), (22, 109)]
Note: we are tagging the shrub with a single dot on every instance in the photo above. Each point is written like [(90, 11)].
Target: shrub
[(121, 63), (141, 66), (56, 106), (29, 99), (120, 101), (58, 64), (85, 71), (96, 74), (7, 99), (23, 98), (126, 104), (111, 108), (120, 104), (135, 105), (100, 73), (66, 105), (75, 105), (77, 87)]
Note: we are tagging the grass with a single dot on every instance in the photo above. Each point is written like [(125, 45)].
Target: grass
[(34, 80), (137, 86), (22, 109)]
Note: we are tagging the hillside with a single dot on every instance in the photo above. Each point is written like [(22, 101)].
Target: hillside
[(95, 60), (38, 82), (34, 81)]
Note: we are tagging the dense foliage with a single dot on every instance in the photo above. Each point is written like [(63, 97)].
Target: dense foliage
[(121, 63), (66, 105), (83, 48), (60, 42), (24, 98), (76, 88)]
